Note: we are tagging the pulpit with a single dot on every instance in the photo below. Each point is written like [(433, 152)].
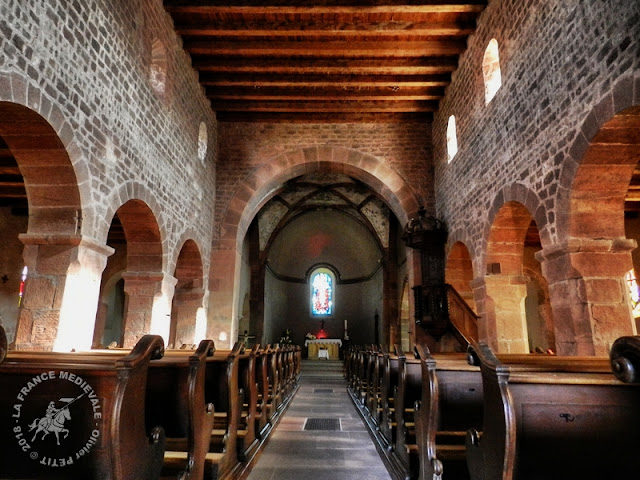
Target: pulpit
[(327, 348)]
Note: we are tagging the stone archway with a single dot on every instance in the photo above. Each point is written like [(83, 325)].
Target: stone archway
[(136, 239), (53, 230), (459, 272), (256, 190), (586, 268), (188, 295), (500, 293)]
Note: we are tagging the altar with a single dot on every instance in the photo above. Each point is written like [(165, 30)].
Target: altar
[(327, 348)]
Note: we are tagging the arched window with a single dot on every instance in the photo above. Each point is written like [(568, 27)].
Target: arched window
[(452, 138), (491, 71), (322, 288)]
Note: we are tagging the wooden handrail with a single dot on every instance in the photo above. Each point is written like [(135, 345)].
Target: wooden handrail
[(462, 316)]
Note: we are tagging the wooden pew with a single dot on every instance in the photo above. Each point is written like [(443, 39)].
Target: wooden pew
[(103, 432), (375, 401), (625, 359), (451, 403), (247, 439), (408, 392), (390, 378), (174, 400), (553, 418), (4, 345), (262, 382), (222, 389)]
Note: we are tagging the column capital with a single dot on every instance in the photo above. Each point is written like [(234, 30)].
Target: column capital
[(586, 245), (71, 240)]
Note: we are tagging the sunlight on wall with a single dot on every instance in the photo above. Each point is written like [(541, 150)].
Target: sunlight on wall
[(200, 332), (78, 309), (452, 138), (161, 317)]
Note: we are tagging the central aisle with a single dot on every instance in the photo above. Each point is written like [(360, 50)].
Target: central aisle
[(340, 447)]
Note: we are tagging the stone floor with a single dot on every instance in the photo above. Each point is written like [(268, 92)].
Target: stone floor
[(294, 453)]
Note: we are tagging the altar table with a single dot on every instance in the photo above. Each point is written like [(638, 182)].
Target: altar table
[(328, 348)]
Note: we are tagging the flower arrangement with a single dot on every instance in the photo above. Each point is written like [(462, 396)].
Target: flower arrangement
[(310, 336), (285, 339)]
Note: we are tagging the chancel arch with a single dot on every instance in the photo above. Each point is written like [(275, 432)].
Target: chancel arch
[(261, 185)]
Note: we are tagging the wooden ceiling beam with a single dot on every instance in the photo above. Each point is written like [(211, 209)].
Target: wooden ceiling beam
[(346, 93), (325, 106), (327, 66), (297, 29), (323, 81), (344, 49), (326, 117), (320, 7)]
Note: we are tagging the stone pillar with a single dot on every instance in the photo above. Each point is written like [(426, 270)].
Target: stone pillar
[(61, 292), (186, 303), (222, 298), (504, 315), (589, 296), (141, 290)]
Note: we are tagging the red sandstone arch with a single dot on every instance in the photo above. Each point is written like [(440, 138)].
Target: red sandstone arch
[(260, 185), (143, 274), (596, 174), (188, 295), (49, 177), (459, 272), (509, 254), (593, 253)]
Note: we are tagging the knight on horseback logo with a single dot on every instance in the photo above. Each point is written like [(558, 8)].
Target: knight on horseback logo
[(53, 420)]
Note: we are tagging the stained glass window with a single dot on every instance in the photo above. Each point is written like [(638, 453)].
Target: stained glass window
[(634, 292), (321, 294)]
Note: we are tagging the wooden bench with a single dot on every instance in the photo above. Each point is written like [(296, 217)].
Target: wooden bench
[(247, 440), (390, 379), (96, 414), (222, 389), (553, 418), (625, 359), (174, 400), (451, 403), (408, 392)]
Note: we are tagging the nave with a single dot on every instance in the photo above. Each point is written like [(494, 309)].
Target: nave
[(343, 451)]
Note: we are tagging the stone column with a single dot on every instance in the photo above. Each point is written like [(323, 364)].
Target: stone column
[(61, 292), (500, 301), (142, 289), (222, 298), (589, 296), (186, 303)]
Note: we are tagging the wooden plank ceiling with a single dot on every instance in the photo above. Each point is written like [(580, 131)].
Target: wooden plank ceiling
[(324, 60)]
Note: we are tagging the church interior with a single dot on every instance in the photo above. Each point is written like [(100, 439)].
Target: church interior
[(421, 174)]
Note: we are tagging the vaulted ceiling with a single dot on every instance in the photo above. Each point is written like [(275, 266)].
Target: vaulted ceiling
[(325, 60)]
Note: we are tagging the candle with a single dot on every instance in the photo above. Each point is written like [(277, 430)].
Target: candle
[(345, 324)]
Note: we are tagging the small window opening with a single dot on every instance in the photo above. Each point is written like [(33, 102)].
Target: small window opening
[(202, 141), (491, 71), (452, 138)]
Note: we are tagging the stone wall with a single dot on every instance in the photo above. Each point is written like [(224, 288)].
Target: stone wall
[(558, 61), (110, 77), (245, 147), (91, 64)]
